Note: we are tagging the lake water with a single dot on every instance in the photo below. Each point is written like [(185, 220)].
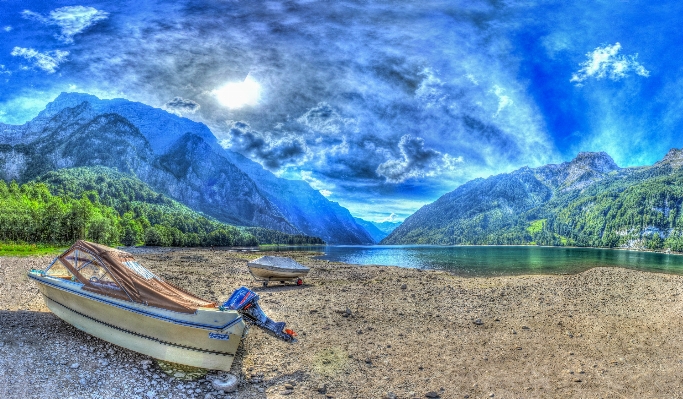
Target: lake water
[(501, 260)]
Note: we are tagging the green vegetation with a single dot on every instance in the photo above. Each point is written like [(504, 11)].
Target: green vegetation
[(631, 207), (31, 214), (8, 249), (536, 226), (644, 207), (105, 206), (273, 237)]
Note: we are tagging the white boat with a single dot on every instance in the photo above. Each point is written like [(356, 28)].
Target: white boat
[(107, 293), (277, 268)]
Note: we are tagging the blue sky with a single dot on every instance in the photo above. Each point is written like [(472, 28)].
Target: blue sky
[(382, 106)]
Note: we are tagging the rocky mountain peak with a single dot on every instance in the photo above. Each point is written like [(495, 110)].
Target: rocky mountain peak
[(597, 161), (674, 158), (66, 100), (159, 127), (579, 173)]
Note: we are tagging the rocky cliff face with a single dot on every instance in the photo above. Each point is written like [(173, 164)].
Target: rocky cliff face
[(305, 207), (175, 156)]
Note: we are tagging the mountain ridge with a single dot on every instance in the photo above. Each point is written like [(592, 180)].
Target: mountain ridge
[(589, 201), (209, 180)]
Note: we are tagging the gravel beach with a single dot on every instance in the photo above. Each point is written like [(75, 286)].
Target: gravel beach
[(373, 332)]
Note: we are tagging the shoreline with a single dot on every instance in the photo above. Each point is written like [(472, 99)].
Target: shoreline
[(374, 332), (665, 252)]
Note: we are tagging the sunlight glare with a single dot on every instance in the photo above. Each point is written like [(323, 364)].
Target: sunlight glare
[(239, 94)]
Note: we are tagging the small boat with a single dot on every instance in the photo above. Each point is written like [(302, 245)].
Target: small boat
[(108, 294), (277, 268)]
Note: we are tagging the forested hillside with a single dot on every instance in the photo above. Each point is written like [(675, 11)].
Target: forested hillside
[(586, 202), (103, 205)]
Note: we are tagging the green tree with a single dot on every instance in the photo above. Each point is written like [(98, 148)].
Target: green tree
[(153, 238)]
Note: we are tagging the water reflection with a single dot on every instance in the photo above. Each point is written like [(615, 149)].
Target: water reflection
[(500, 260)]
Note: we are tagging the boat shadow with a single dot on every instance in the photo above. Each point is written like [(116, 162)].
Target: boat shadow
[(18, 323), (275, 287)]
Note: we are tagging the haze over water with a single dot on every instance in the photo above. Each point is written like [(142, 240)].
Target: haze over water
[(503, 260)]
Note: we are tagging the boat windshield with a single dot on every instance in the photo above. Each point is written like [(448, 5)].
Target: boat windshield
[(139, 269), (90, 268), (57, 269)]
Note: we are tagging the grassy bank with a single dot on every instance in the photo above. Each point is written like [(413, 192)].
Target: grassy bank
[(29, 249)]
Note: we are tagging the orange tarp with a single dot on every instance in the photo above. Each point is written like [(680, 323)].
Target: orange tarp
[(115, 273)]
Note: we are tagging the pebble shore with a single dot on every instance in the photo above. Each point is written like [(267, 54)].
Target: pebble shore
[(372, 332)]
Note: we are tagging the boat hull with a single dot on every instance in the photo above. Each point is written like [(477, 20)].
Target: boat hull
[(188, 339), (273, 273)]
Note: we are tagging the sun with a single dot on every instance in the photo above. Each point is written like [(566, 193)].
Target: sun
[(239, 94)]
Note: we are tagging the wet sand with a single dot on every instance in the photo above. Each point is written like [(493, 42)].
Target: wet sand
[(374, 332)]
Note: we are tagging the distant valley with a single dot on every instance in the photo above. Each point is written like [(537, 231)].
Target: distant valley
[(378, 230)]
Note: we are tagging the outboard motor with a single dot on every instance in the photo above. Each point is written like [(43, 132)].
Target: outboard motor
[(245, 301)]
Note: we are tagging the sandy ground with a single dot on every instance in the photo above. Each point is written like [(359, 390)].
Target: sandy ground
[(376, 332)]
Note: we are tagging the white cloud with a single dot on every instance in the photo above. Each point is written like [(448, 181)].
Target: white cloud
[(341, 148), (307, 176), (416, 161), (28, 14), (7, 28), (556, 43), (71, 20), (472, 79), (430, 91), (47, 61), (503, 100), (390, 218), (4, 71), (606, 62), (316, 184)]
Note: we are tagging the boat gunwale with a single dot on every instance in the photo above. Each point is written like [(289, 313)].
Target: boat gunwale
[(43, 280), (303, 270)]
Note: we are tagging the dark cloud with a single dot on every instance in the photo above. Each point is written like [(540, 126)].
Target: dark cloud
[(273, 154), (399, 72), (490, 136), (322, 119), (181, 106), (416, 161)]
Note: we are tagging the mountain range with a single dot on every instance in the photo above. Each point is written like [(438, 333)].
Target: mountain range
[(589, 201), (174, 156), (378, 230)]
